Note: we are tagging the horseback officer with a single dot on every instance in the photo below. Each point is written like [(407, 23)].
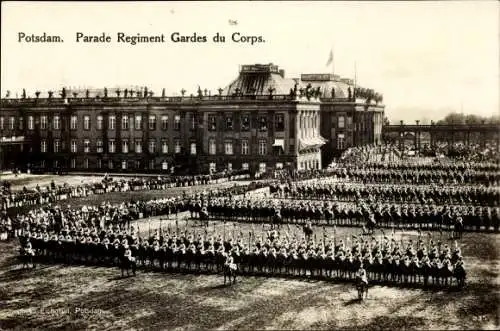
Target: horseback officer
[(361, 274)]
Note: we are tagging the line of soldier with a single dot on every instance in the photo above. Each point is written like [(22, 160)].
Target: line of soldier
[(119, 215), (53, 193), (385, 260), (417, 165), (420, 175), (473, 195), (428, 217), (456, 152)]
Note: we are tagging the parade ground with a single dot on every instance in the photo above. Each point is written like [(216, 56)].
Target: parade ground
[(56, 296)]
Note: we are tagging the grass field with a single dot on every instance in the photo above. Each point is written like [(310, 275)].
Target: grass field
[(118, 197), (84, 297), (31, 181)]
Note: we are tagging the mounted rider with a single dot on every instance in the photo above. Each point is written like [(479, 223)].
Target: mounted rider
[(230, 262), (361, 274), (28, 248), (128, 254)]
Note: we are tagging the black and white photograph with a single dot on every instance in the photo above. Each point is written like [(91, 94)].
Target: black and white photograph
[(250, 165)]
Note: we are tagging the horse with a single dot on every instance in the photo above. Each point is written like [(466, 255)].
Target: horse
[(460, 274), (230, 270), (276, 220), (458, 228), (308, 231), (127, 264), (204, 217), (371, 224), (27, 257), (362, 288)]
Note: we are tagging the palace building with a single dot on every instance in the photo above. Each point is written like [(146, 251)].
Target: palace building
[(260, 121)]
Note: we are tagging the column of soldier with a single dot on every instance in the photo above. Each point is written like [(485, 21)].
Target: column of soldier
[(81, 240), (118, 216), (285, 252), (53, 193), (419, 207)]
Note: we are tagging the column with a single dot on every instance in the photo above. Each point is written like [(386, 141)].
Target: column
[(308, 124), (301, 133), (316, 123)]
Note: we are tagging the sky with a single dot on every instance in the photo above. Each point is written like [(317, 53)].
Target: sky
[(427, 59)]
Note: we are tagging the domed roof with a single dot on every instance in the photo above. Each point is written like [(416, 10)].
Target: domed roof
[(259, 84), (262, 79)]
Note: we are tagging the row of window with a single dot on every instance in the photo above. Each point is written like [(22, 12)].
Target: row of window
[(212, 167), (262, 125), (152, 146), (125, 164), (228, 147), (136, 122), (125, 146), (125, 122)]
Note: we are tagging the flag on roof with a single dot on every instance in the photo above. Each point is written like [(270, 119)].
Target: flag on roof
[(330, 58)]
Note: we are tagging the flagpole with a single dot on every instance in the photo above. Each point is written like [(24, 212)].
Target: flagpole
[(355, 80), (333, 60)]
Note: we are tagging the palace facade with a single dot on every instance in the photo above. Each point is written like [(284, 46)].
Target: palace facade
[(260, 121)]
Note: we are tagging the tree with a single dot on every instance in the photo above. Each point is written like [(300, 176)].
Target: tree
[(183, 91), (63, 93), (105, 92), (75, 94), (24, 94), (454, 118), (50, 94), (163, 93), (118, 92), (473, 119), (37, 94)]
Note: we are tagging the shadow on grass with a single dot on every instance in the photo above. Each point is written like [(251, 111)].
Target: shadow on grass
[(352, 302)]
